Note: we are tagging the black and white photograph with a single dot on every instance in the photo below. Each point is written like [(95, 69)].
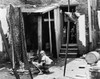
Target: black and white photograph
[(49, 39)]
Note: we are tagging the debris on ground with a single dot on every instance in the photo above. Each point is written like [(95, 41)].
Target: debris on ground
[(76, 68)]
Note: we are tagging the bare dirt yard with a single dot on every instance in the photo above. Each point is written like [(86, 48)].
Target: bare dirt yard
[(56, 71)]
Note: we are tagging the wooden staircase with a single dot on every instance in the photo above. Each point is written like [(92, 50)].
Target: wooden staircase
[(72, 50)]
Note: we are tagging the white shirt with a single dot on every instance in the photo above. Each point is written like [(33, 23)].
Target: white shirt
[(47, 59)]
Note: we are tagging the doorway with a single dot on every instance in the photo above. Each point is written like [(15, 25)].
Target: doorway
[(31, 31), (47, 26), (72, 33)]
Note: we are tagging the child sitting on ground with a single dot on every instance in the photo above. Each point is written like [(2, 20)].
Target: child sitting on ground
[(45, 63)]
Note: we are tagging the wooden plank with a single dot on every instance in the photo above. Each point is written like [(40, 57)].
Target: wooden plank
[(39, 36), (40, 33), (90, 26), (50, 33), (62, 25), (81, 34), (57, 29), (40, 9)]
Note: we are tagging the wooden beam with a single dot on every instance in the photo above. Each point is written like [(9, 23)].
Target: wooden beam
[(40, 33), (57, 29), (50, 33), (89, 18), (46, 20), (39, 36)]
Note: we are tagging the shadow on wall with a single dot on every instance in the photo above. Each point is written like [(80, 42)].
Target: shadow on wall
[(82, 48)]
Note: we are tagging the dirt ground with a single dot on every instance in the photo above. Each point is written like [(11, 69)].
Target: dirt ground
[(56, 71)]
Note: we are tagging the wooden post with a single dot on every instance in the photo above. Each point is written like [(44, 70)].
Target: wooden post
[(89, 18), (40, 32), (68, 28), (7, 50), (39, 35), (50, 33), (13, 61), (57, 29), (12, 46)]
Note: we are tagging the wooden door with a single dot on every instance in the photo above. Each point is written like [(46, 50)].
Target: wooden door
[(81, 34)]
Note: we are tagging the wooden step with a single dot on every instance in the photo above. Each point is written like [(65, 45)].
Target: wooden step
[(69, 49), (72, 50), (70, 45), (69, 55)]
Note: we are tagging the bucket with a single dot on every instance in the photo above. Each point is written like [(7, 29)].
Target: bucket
[(92, 57)]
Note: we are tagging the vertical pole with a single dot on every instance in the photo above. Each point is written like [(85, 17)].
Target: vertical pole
[(40, 32), (39, 35), (50, 33), (57, 29), (89, 18), (68, 28), (13, 61)]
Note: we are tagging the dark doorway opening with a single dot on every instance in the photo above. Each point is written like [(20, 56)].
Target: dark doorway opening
[(46, 34), (72, 31), (31, 31)]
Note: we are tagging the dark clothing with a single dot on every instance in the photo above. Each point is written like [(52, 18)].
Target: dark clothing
[(44, 68)]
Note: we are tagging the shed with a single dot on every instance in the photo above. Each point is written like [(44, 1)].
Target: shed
[(42, 28)]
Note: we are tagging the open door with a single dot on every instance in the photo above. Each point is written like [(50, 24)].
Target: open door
[(81, 34)]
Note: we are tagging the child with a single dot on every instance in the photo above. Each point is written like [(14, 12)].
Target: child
[(45, 62)]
